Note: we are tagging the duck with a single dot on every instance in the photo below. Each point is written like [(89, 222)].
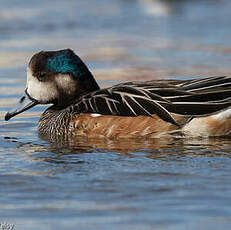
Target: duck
[(138, 109)]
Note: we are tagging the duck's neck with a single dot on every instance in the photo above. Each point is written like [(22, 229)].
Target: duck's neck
[(54, 122), (87, 84)]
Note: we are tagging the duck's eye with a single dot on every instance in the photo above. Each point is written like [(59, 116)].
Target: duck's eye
[(42, 74)]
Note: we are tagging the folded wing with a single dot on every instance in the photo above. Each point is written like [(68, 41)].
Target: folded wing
[(191, 98)]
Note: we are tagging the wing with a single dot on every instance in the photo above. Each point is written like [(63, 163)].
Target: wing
[(192, 98)]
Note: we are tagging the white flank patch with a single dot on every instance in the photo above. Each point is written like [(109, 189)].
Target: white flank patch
[(95, 115), (196, 127), (223, 115)]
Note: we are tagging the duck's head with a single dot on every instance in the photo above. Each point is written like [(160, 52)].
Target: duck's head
[(55, 77)]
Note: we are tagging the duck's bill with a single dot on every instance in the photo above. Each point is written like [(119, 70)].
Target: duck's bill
[(24, 104)]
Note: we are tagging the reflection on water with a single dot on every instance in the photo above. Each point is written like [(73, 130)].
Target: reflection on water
[(95, 183), (169, 183)]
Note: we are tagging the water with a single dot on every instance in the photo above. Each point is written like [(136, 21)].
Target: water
[(156, 184)]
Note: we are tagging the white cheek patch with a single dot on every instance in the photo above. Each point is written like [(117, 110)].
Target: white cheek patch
[(47, 91), (44, 92), (66, 83)]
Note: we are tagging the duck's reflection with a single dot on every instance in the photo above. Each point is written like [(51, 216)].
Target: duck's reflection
[(158, 148)]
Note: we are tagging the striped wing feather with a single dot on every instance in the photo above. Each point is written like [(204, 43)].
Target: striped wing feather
[(192, 98)]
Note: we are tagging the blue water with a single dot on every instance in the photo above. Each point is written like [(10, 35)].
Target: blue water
[(172, 184)]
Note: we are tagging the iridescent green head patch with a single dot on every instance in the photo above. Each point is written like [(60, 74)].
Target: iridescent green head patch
[(67, 62)]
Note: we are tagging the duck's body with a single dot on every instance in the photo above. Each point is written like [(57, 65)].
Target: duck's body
[(94, 126), (128, 110)]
